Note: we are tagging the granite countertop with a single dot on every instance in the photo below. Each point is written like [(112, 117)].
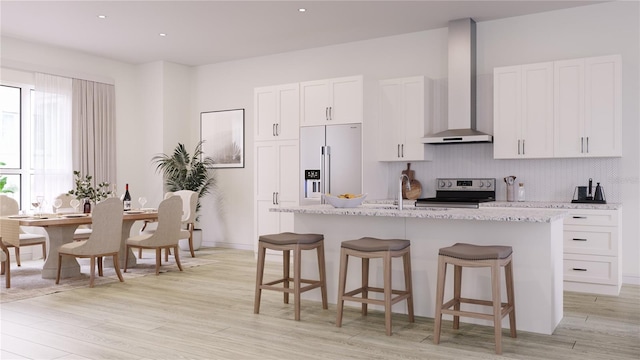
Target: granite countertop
[(536, 215), (550, 205)]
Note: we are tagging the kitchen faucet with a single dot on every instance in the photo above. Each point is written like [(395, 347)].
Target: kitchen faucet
[(400, 207)]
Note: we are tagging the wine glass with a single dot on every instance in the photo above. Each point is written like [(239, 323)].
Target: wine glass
[(142, 200), (40, 200), (56, 204), (74, 204), (36, 204)]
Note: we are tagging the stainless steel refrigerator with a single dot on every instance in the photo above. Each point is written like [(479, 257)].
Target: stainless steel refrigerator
[(330, 161)]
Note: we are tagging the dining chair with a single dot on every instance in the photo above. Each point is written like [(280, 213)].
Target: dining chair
[(166, 236), (9, 206), (104, 239), (189, 205), (6, 268), (83, 231)]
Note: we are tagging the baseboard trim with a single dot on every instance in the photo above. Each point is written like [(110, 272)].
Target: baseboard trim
[(631, 279)]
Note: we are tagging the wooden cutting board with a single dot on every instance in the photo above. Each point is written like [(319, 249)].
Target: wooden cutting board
[(416, 188)]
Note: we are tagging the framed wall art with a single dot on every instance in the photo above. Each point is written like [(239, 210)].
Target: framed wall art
[(223, 135)]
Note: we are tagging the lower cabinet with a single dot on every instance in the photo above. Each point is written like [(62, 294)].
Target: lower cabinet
[(593, 251)]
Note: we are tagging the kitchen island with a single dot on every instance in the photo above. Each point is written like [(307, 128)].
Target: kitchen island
[(534, 234)]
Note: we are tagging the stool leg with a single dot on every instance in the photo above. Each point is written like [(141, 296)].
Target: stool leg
[(342, 280), (457, 286), (387, 292), (365, 284), (508, 273), (259, 276), (297, 269), (442, 273), (406, 259), (286, 273), (323, 275), (497, 305)]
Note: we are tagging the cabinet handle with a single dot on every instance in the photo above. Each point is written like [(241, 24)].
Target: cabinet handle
[(579, 269), (523, 152), (277, 198), (326, 113), (273, 129), (398, 150), (518, 146), (582, 144), (330, 113), (579, 217), (402, 151), (277, 129), (587, 144), (577, 239)]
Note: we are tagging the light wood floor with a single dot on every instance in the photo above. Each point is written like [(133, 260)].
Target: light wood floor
[(206, 312)]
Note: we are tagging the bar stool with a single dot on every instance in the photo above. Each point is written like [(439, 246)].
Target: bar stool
[(460, 255), (287, 242), (372, 248)]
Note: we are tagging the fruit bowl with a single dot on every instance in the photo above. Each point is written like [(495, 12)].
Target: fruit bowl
[(343, 202)]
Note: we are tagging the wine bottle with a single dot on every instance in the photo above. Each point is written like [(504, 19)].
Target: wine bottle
[(127, 198), (86, 208)]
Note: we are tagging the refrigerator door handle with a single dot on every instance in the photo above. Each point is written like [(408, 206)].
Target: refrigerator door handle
[(327, 168), (322, 174)]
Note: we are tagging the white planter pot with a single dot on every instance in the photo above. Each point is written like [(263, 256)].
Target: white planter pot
[(197, 241)]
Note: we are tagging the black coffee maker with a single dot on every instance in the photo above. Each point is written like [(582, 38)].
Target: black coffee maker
[(586, 194)]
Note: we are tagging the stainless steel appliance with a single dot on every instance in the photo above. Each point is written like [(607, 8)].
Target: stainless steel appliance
[(330, 160), (461, 193)]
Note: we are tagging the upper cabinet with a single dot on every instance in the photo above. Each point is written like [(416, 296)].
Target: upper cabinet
[(405, 109), (588, 110), (331, 101), (561, 109), (277, 112), (523, 111)]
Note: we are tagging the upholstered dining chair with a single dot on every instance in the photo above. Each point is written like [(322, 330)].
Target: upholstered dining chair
[(189, 204), (167, 233), (104, 239), (6, 268), (83, 231), (9, 206)]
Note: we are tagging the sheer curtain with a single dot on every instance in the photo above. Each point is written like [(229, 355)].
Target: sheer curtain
[(51, 137), (94, 130)]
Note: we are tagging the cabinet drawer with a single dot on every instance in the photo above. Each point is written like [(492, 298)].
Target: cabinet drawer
[(596, 240), (591, 269), (592, 217)]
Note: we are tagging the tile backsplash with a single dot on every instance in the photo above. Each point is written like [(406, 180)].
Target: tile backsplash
[(544, 179)]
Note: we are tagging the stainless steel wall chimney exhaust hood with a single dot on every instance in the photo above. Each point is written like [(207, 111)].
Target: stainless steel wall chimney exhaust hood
[(462, 88)]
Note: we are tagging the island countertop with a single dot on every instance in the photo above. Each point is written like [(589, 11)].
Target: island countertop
[(531, 214)]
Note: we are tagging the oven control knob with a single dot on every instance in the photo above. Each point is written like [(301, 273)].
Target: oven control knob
[(481, 183), (449, 184), (442, 184)]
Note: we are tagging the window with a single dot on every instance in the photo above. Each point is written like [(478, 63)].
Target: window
[(15, 122)]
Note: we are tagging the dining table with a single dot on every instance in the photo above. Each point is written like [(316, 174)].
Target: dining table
[(60, 229)]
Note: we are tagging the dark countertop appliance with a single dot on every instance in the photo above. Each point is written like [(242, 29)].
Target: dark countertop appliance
[(461, 193)]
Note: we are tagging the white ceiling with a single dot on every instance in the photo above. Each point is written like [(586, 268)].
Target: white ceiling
[(206, 32)]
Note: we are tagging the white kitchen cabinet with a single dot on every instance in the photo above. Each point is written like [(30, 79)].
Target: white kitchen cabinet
[(275, 184), (592, 251), (587, 107), (277, 112), (331, 101), (405, 117), (523, 111)]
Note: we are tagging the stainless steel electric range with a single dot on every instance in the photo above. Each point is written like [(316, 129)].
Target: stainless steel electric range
[(461, 193)]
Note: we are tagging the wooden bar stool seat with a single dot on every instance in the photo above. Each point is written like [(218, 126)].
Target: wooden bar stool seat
[(466, 255), (372, 248), (287, 242)]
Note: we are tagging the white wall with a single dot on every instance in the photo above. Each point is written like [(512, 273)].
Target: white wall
[(588, 31)]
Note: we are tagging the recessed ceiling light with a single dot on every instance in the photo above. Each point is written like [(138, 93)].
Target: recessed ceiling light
[(162, 34), (102, 16), (302, 10)]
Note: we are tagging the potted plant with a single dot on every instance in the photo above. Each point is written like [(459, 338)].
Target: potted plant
[(84, 190), (184, 171), (3, 183)]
